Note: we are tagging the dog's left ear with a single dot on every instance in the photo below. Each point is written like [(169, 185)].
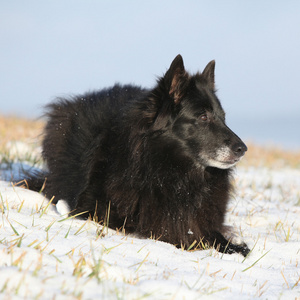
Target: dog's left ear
[(175, 78), (209, 74)]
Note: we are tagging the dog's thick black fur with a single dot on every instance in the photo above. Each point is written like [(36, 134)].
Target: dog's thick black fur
[(160, 159)]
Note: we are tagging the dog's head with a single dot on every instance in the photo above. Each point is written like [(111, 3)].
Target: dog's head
[(197, 119)]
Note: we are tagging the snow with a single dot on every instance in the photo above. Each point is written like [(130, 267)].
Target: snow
[(46, 255)]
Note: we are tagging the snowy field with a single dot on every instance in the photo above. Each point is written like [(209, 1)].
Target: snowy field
[(45, 255)]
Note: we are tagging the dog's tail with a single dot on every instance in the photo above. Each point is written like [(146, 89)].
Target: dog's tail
[(37, 181), (34, 180)]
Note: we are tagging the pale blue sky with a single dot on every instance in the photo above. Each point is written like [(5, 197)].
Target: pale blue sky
[(54, 48)]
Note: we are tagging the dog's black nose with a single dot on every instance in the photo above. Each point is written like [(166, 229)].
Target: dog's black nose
[(239, 149)]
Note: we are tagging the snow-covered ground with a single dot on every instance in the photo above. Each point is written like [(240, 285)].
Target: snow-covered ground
[(45, 255)]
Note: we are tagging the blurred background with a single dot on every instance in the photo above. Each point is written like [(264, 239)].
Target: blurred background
[(57, 48)]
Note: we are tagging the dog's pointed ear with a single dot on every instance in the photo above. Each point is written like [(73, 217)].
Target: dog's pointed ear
[(174, 78), (209, 74)]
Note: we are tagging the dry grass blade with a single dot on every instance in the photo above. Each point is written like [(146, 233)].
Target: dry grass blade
[(73, 216), (12, 227), (44, 209), (296, 283), (287, 284), (256, 261), (142, 262)]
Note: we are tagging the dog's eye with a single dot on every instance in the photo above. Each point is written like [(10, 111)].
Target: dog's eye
[(204, 118)]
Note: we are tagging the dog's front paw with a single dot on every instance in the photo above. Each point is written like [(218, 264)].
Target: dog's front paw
[(242, 249)]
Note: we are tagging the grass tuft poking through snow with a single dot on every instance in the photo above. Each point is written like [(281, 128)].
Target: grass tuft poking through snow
[(44, 254)]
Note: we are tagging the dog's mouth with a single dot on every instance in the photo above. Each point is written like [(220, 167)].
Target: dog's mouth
[(224, 158), (233, 160), (223, 164), (229, 163)]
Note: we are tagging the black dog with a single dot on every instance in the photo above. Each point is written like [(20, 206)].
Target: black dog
[(158, 161)]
